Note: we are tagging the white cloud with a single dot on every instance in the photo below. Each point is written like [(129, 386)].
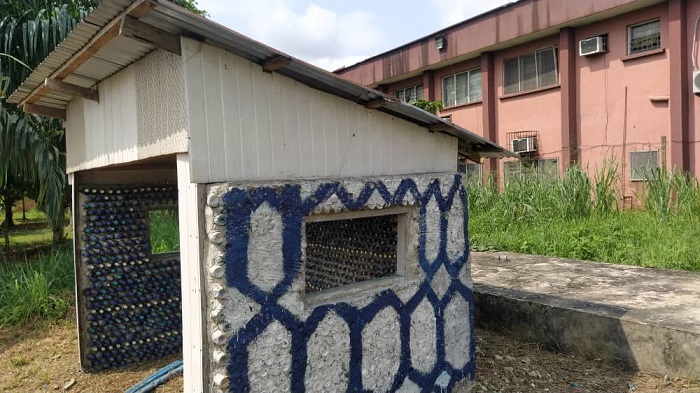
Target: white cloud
[(319, 35), (454, 11)]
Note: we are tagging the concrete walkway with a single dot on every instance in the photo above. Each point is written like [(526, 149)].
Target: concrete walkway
[(646, 319)]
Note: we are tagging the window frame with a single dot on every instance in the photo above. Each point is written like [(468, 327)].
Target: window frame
[(555, 52), (629, 36), (414, 88), (402, 274), (469, 72), (634, 169), (164, 254)]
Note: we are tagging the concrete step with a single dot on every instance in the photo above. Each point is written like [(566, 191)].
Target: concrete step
[(645, 319)]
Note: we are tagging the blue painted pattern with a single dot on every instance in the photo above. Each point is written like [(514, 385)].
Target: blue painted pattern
[(287, 200)]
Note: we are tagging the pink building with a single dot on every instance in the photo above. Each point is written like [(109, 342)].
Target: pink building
[(562, 81)]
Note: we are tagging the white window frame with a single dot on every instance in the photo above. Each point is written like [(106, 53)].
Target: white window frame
[(555, 52), (629, 36), (410, 89), (469, 73), (633, 169)]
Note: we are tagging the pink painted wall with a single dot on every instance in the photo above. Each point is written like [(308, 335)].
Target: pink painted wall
[(529, 111), (623, 104), (693, 12), (469, 116), (474, 35), (616, 97)]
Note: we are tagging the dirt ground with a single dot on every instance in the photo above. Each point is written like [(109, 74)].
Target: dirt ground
[(44, 359)]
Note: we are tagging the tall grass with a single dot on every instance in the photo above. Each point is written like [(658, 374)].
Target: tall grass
[(575, 217), (40, 289)]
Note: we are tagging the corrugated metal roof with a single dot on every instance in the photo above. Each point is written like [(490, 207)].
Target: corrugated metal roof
[(120, 52)]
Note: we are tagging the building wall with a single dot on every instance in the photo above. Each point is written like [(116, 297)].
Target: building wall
[(619, 103), (490, 31), (406, 333), (693, 12), (623, 104), (141, 114), (249, 124), (538, 110)]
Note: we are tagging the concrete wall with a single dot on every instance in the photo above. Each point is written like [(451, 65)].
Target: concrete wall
[(141, 114), (411, 332)]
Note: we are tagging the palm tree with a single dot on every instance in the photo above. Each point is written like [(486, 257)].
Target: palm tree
[(32, 147)]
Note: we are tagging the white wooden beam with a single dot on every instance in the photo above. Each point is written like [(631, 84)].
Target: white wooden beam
[(48, 111), (71, 89), (137, 30), (190, 211)]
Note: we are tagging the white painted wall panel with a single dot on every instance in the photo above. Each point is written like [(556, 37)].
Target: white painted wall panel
[(141, 114), (160, 98), (108, 134), (248, 124)]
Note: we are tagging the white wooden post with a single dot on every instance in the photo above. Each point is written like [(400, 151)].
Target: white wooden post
[(190, 210)]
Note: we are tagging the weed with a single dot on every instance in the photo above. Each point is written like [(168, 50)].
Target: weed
[(571, 218), (19, 361), (37, 289)]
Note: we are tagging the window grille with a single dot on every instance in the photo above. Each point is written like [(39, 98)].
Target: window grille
[(644, 37), (341, 252), (643, 164)]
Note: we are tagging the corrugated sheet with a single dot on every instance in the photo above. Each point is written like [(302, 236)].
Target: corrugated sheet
[(121, 52)]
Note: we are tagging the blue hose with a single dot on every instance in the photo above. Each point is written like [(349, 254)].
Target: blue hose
[(159, 377)]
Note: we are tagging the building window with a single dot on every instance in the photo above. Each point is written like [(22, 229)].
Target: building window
[(461, 88), (548, 167), (410, 94), (353, 247), (644, 37), (643, 164), (472, 170), (531, 71)]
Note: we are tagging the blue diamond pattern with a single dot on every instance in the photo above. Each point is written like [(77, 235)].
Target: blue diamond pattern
[(240, 203)]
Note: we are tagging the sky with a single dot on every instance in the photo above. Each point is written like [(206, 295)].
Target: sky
[(336, 33)]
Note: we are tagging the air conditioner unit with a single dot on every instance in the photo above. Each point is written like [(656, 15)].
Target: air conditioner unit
[(524, 145), (593, 46), (696, 82)]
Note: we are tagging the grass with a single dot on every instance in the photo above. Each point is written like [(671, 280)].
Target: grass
[(576, 217), (30, 233), (38, 289), (165, 235)]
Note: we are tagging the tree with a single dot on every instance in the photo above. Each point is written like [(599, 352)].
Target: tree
[(429, 106), (33, 147)]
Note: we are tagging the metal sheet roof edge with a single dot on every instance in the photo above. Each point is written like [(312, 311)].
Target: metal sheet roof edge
[(297, 69)]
